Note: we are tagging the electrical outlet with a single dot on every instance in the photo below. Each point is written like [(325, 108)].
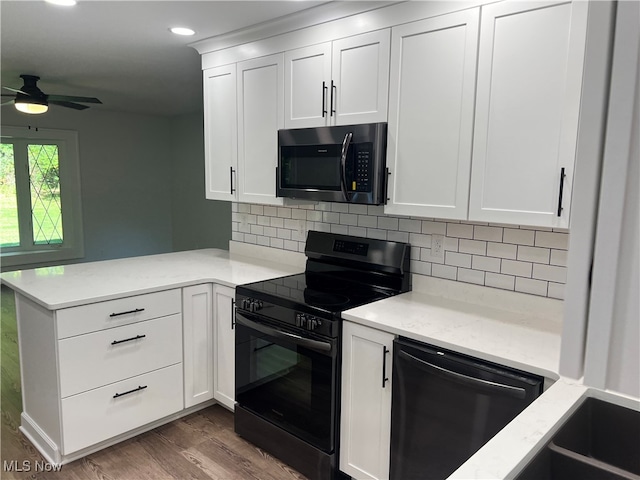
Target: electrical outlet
[(437, 246), (302, 230), (244, 222)]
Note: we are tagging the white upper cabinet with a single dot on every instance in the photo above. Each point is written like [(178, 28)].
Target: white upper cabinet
[(338, 83), (431, 102), (220, 136), (260, 115), (530, 67)]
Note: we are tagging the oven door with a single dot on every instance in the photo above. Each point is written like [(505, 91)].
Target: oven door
[(288, 378)]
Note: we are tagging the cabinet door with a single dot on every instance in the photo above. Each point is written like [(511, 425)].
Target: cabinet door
[(220, 132), (197, 324), (224, 361), (360, 79), (530, 67), (307, 84), (431, 102), (260, 115), (365, 424)]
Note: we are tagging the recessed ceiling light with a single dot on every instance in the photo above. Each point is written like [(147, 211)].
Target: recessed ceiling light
[(182, 31), (64, 3)]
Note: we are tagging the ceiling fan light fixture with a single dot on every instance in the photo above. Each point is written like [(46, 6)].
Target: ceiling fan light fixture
[(182, 31), (31, 106)]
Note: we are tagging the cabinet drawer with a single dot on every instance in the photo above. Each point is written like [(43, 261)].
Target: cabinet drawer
[(98, 358), (95, 416), (113, 313)]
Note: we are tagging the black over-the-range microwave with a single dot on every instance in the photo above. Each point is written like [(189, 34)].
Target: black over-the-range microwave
[(345, 163)]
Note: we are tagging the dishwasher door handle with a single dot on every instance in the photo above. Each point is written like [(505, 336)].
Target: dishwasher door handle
[(508, 390)]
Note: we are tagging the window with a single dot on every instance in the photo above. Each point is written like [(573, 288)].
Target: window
[(40, 216)]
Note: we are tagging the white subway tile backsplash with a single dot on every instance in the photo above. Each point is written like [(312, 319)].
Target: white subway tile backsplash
[(472, 246), (471, 276), (497, 280), (388, 223), (534, 287), (501, 250), (550, 273), (518, 236), (519, 269), (533, 254), (492, 234), (552, 240), (444, 271), (524, 259), (559, 257), (487, 264), (457, 259), (432, 227), (367, 221), (459, 230)]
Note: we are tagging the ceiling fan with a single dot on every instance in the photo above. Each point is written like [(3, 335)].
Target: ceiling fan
[(30, 99)]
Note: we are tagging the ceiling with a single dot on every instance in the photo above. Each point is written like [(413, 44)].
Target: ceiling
[(122, 51)]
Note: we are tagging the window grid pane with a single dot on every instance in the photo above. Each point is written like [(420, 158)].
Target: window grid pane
[(46, 208), (9, 227)]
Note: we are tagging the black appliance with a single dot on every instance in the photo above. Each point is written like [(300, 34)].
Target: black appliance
[(344, 163), (288, 346), (446, 406)]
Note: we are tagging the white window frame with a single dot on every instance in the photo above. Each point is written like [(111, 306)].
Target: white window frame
[(72, 246)]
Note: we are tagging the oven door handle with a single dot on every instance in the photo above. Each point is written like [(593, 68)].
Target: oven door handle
[(297, 339)]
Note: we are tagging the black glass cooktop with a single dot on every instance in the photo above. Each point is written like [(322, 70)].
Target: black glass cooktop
[(327, 292)]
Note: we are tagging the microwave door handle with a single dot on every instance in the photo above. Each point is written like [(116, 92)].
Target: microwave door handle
[(343, 164)]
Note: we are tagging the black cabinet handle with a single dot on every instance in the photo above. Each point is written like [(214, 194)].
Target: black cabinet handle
[(562, 175), (233, 314), (385, 379), (333, 89), (127, 312), (386, 185), (137, 337), (130, 391), (231, 172), (324, 99)]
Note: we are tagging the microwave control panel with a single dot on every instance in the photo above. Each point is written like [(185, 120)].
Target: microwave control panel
[(362, 171)]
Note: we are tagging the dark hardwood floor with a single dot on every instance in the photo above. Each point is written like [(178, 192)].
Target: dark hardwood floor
[(202, 445)]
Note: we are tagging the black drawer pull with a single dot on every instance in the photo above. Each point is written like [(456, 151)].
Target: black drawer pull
[(562, 175), (116, 342), (127, 313), (385, 379), (130, 391)]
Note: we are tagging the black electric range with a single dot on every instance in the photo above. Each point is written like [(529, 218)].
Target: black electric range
[(288, 345)]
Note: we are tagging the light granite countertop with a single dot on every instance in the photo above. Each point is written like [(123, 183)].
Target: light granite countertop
[(81, 283)]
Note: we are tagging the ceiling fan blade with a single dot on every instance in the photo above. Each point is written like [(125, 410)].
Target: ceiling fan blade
[(15, 90), (71, 98), (6, 103), (75, 106)]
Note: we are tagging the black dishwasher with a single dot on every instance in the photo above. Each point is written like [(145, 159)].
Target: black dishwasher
[(445, 406)]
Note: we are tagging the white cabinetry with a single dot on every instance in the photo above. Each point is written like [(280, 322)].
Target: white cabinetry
[(431, 102), (224, 356), (115, 366), (260, 116), (530, 67), (198, 344), (338, 83), (220, 132), (365, 424)]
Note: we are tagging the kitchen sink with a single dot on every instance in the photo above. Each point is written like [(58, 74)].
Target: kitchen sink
[(600, 441)]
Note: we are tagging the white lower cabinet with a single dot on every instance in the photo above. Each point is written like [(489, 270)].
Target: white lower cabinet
[(365, 424), (105, 412), (224, 351), (197, 327)]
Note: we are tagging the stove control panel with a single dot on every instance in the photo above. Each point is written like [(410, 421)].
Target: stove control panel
[(308, 322), (251, 304)]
